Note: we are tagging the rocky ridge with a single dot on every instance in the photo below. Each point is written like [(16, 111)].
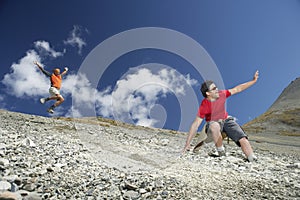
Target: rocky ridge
[(282, 118), (51, 158)]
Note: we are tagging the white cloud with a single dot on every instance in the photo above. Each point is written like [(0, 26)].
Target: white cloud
[(132, 98), (75, 39), (135, 95), (45, 50), (25, 80), (79, 86)]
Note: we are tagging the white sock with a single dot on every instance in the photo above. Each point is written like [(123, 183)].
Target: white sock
[(252, 157), (221, 148)]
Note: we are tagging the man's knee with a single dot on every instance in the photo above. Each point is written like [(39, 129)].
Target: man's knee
[(214, 127), (60, 98), (243, 140)]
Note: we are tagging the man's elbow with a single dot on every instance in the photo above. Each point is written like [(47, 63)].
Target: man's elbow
[(196, 124), (238, 90), (235, 91)]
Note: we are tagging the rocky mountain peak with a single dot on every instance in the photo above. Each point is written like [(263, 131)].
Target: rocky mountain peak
[(289, 99), (281, 120)]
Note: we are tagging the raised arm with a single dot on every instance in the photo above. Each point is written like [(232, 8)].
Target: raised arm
[(42, 69), (193, 130), (65, 71), (244, 86)]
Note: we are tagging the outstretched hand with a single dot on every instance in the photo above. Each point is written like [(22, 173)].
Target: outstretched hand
[(37, 64), (186, 148), (256, 75)]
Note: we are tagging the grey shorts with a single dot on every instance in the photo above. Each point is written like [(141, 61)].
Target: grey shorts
[(231, 128)]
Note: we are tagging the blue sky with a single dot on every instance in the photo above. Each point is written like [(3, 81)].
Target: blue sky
[(143, 61)]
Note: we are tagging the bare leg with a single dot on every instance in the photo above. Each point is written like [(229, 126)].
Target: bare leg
[(52, 98), (246, 147), (59, 100), (214, 128)]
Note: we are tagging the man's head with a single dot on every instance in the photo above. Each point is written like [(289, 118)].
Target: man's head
[(209, 90), (56, 71)]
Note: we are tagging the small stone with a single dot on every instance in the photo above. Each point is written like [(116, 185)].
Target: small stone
[(33, 196), (4, 162), (159, 183), (164, 194), (164, 142), (4, 186), (130, 186), (9, 196), (28, 143), (142, 191), (29, 187), (131, 195)]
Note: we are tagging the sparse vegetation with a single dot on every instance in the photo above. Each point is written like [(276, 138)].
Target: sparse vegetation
[(288, 133), (254, 129), (64, 127), (286, 122), (173, 132), (264, 117), (290, 117)]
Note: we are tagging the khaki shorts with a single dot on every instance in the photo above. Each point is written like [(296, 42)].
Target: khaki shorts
[(53, 91)]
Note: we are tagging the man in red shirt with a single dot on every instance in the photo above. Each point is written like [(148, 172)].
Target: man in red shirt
[(54, 90), (212, 109)]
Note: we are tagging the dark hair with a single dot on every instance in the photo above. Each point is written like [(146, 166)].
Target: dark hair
[(205, 87)]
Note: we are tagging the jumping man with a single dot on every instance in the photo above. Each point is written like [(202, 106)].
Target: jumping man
[(54, 90)]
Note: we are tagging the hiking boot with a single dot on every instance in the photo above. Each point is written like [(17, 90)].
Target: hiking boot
[(42, 100), (221, 153), (50, 110), (217, 153)]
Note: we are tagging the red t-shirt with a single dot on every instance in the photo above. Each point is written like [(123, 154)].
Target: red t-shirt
[(214, 110)]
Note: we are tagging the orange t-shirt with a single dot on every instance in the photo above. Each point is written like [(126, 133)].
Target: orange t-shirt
[(56, 81)]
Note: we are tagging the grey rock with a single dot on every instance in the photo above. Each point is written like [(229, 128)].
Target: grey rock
[(4, 186), (32, 196), (9, 196), (164, 142), (28, 143), (132, 195), (4, 162), (130, 186)]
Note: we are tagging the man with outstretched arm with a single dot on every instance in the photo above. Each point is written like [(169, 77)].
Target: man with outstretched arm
[(54, 90), (212, 109)]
